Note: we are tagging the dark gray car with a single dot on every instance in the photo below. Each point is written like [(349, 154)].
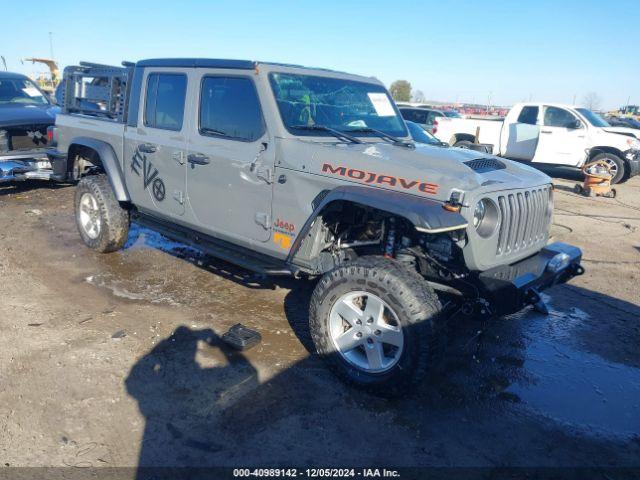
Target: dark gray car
[(425, 117)]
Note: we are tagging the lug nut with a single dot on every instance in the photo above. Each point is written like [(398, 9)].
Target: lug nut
[(358, 322), (377, 332), (370, 320), (359, 335), (369, 341)]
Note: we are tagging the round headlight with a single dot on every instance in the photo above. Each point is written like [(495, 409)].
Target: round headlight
[(485, 217), (478, 213)]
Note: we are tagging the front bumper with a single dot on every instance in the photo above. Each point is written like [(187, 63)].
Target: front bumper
[(633, 157), (509, 288)]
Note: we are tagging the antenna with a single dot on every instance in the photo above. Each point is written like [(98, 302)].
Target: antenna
[(4, 63), (51, 45)]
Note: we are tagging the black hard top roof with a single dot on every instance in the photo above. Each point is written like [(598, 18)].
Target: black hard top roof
[(216, 63)]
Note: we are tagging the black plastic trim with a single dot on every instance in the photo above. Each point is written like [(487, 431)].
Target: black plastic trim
[(110, 163), (197, 63)]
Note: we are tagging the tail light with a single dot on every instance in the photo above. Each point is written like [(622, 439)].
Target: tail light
[(435, 127), (52, 135)]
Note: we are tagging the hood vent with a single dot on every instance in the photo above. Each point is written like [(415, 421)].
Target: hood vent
[(484, 165)]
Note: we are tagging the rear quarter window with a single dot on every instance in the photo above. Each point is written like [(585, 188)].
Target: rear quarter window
[(164, 102)]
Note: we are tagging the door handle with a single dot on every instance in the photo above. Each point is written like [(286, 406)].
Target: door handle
[(147, 148), (198, 159), (546, 131)]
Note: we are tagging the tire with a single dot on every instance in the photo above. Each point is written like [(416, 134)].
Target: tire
[(466, 144), (102, 222), (620, 165), (408, 302)]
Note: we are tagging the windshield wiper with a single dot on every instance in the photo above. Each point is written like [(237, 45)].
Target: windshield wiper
[(324, 128), (385, 135)]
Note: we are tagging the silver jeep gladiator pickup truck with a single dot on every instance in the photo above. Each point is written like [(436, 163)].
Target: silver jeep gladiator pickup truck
[(287, 170)]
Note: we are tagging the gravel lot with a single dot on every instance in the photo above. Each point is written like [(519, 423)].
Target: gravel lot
[(114, 360)]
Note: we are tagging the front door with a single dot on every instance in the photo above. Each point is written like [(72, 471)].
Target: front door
[(230, 159), (519, 140), (155, 149), (563, 138)]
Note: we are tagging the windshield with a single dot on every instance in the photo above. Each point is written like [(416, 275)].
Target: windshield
[(420, 135), (452, 114), (20, 90), (343, 105), (593, 118)]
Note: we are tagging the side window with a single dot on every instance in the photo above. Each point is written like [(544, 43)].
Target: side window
[(431, 116), (528, 115), (229, 107), (407, 114), (164, 104), (558, 117), (420, 116)]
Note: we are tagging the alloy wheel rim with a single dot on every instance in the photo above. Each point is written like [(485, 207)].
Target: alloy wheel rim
[(366, 332), (613, 166), (89, 216)]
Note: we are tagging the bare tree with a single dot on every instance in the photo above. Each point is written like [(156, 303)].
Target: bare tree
[(592, 101)]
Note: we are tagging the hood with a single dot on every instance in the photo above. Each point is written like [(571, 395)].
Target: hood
[(14, 114), (428, 171), (631, 132)]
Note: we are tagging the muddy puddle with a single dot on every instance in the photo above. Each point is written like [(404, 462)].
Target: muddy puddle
[(575, 387)]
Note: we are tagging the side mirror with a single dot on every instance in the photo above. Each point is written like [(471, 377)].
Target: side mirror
[(576, 124)]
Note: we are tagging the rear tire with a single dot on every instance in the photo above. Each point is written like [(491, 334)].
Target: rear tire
[(616, 162), (466, 144), (387, 355), (102, 222)]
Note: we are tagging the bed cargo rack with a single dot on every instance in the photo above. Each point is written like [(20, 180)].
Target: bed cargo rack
[(97, 90)]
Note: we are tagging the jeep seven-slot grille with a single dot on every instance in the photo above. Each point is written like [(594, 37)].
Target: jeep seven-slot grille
[(524, 219)]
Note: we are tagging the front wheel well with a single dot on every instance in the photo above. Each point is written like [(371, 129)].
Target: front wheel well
[(344, 231), (598, 150)]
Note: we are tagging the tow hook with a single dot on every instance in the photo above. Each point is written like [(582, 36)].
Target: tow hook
[(532, 297)]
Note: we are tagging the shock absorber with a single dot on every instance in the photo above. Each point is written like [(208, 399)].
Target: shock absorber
[(390, 246)]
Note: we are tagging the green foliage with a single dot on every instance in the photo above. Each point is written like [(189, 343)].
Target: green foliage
[(401, 91)]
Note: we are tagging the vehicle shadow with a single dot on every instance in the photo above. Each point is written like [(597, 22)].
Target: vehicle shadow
[(207, 406), (24, 186), (142, 236)]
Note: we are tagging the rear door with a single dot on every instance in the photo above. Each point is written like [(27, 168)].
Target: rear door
[(230, 159), (155, 149), (563, 138), (519, 139)]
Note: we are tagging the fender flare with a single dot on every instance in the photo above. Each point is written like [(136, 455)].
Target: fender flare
[(426, 215), (109, 162)]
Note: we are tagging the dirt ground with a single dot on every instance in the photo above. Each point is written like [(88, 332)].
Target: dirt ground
[(114, 360)]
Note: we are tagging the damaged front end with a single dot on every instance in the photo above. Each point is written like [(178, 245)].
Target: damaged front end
[(22, 153)]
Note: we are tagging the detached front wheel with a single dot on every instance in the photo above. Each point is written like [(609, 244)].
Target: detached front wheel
[(102, 222), (378, 325)]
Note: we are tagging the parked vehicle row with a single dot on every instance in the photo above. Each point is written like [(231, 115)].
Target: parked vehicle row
[(286, 170)]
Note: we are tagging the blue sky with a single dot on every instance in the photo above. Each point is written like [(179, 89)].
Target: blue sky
[(462, 50)]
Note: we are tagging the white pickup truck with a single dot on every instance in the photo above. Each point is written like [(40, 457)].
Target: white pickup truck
[(549, 133)]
